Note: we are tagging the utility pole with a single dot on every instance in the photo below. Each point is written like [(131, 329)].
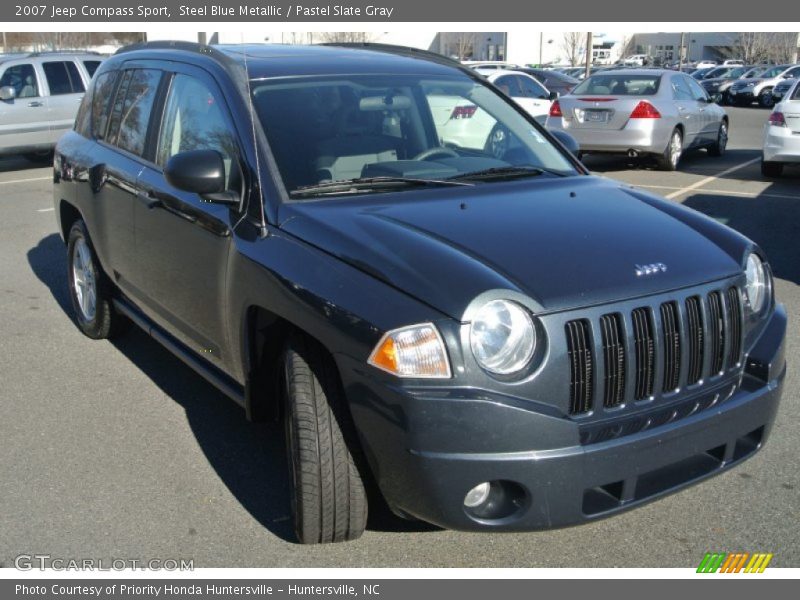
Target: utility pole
[(680, 52), (541, 47), (201, 38), (588, 53)]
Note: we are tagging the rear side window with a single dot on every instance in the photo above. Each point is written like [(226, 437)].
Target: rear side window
[(680, 88), (509, 85), (23, 79), (531, 88), (134, 111), (63, 78), (618, 85), (101, 103), (91, 66)]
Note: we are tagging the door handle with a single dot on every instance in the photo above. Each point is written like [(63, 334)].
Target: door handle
[(148, 199), (36, 103)]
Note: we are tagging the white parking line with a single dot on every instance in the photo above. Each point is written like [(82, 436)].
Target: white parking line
[(25, 180), (723, 192), (46, 209), (702, 182)]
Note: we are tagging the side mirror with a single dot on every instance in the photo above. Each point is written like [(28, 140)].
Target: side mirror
[(201, 172), (553, 96), (8, 92), (569, 142)]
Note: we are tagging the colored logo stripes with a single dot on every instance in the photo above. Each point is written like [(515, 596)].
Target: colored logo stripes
[(745, 562)]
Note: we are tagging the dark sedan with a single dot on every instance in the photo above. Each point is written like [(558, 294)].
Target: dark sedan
[(493, 337), (552, 80)]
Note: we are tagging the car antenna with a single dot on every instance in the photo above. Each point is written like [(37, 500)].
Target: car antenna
[(263, 225)]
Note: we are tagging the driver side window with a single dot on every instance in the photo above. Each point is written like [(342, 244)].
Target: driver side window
[(194, 120)]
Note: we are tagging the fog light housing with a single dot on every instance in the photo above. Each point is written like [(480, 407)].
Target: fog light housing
[(477, 495)]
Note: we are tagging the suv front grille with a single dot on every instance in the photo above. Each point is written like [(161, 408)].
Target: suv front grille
[(672, 344)]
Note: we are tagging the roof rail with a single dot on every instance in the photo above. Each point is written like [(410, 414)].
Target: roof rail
[(400, 51), (52, 52), (168, 45)]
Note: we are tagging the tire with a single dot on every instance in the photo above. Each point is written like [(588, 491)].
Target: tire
[(765, 99), (771, 169), (718, 147), (89, 289), (668, 161), (497, 143), (329, 501)]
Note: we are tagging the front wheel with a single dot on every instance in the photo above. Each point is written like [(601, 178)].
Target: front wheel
[(329, 501), (765, 99), (669, 160), (718, 147), (89, 291)]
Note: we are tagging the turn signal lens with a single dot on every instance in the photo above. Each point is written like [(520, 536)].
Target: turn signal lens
[(417, 351)]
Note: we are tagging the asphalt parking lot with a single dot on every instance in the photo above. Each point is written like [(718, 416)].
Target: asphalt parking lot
[(117, 450)]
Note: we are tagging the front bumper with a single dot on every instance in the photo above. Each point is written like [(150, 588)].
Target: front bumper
[(742, 95), (427, 448)]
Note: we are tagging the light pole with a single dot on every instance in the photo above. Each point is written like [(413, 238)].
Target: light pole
[(588, 53)]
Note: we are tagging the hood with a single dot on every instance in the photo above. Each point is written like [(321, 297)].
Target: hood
[(755, 80), (565, 243)]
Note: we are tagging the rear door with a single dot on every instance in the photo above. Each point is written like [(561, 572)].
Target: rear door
[(536, 97), (689, 115), (708, 121), (183, 242), (23, 120), (66, 88)]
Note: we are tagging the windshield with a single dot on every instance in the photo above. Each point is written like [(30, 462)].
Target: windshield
[(410, 129), (618, 84)]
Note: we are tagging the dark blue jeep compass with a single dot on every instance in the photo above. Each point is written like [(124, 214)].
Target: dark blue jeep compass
[(377, 247)]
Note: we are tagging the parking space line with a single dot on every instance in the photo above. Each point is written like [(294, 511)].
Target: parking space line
[(724, 192), (51, 209), (703, 182), (25, 180)]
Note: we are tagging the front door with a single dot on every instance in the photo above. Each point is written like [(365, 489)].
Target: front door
[(23, 119), (183, 242)]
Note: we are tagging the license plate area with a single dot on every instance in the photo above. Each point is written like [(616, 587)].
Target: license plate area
[(593, 116)]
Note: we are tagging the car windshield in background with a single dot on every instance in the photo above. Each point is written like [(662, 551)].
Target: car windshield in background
[(388, 133), (618, 84)]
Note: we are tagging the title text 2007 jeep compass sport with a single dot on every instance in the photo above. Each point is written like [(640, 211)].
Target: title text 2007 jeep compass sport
[(497, 339)]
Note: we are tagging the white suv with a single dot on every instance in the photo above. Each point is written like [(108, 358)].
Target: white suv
[(39, 98)]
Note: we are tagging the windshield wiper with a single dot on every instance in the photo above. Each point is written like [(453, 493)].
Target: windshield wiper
[(509, 172), (360, 184)]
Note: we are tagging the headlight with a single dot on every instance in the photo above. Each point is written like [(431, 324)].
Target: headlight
[(756, 286), (415, 351), (502, 337)]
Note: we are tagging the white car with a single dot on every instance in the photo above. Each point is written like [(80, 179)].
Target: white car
[(782, 134), (524, 90), (635, 60), (706, 64), (733, 63), (488, 64), (461, 122)]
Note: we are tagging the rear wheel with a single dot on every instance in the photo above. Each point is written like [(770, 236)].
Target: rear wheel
[(668, 161), (89, 290), (765, 98), (329, 501), (771, 169), (718, 147)]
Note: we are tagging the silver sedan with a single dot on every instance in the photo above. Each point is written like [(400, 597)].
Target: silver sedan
[(641, 112)]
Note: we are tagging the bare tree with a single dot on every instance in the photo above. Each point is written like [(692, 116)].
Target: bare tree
[(572, 45), (464, 42), (345, 37), (753, 46), (782, 47)]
